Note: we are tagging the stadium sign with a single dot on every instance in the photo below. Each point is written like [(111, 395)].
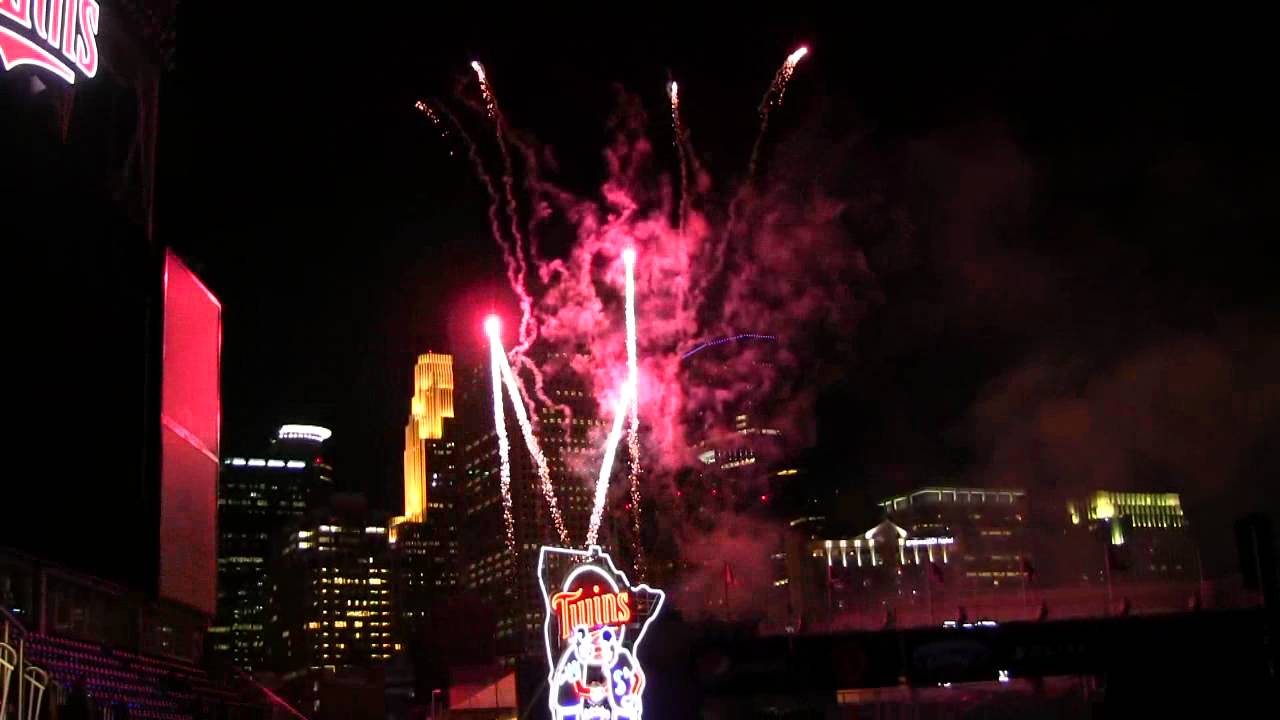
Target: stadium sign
[(60, 36), (595, 622)]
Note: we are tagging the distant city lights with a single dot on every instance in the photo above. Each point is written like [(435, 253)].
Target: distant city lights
[(262, 462)]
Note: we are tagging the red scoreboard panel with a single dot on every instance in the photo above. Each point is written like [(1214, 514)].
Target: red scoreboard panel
[(190, 416)]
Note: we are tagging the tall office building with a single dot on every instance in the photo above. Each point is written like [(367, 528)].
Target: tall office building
[(939, 549), (330, 589), (260, 496), (1145, 533), (424, 539), (988, 527), (431, 404), (505, 582)]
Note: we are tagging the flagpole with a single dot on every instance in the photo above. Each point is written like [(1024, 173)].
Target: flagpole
[(1106, 564), (928, 589), (1024, 573), (728, 616), (830, 618)]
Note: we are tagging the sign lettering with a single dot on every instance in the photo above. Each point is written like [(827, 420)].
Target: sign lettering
[(54, 35)]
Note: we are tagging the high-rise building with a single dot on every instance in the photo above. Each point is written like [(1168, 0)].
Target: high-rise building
[(330, 589), (507, 582), (1144, 535), (424, 539), (260, 496), (988, 526), (431, 404)]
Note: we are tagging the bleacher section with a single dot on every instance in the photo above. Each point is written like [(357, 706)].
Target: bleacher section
[(150, 687), (91, 638)]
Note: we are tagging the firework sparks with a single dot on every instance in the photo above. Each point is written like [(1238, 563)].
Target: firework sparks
[(426, 109), (626, 409), (633, 424), (527, 330), (490, 105), (606, 465), (773, 99), (493, 328), (785, 72), (495, 223), (535, 450), (619, 217), (677, 127), (540, 392)]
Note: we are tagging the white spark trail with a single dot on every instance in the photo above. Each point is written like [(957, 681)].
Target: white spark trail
[(540, 460), (677, 127), (772, 99), (633, 425), (606, 465), (496, 359)]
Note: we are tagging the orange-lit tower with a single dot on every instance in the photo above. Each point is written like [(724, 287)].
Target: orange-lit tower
[(432, 402)]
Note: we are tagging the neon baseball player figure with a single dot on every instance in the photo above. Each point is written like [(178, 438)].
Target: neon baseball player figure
[(595, 623)]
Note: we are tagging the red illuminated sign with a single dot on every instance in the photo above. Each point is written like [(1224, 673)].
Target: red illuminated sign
[(599, 608), (190, 419), (54, 35)]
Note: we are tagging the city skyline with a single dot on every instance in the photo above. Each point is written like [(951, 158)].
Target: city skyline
[(1007, 322), (375, 375)]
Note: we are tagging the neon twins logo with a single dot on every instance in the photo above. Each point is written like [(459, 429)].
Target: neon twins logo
[(32, 32), (599, 608)]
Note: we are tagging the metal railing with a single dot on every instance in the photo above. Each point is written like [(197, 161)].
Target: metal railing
[(31, 682)]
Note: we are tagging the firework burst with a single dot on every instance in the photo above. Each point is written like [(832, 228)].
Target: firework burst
[(623, 218)]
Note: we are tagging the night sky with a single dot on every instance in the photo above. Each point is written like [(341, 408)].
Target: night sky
[(1082, 299)]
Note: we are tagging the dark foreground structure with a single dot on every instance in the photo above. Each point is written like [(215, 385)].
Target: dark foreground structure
[(1124, 666)]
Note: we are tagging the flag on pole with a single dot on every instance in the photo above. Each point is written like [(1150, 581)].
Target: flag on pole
[(1114, 560), (1028, 570), (936, 571)]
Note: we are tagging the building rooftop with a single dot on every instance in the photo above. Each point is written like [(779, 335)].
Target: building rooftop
[(945, 494)]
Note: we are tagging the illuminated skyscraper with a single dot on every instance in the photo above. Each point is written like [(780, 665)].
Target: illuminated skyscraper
[(331, 591), (259, 497), (432, 402), (424, 540)]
